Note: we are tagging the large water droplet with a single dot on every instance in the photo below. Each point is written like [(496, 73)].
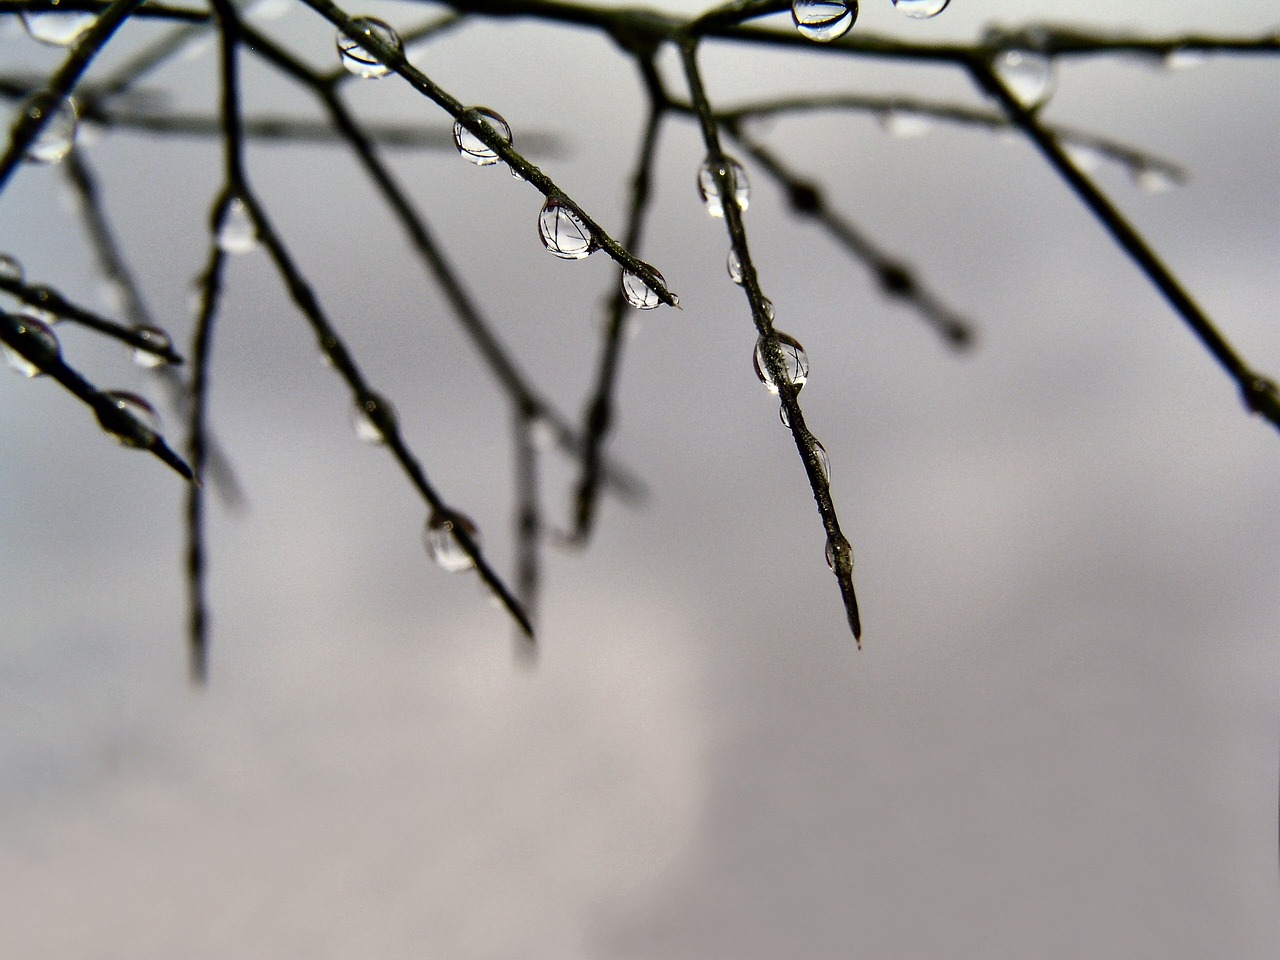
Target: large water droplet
[(369, 418), (359, 61), (154, 337), (10, 268), (563, 232), (920, 9), (824, 20), (471, 146), (443, 546), (734, 263), (1027, 73), (238, 233), (58, 135), (905, 124), (42, 341), (139, 411), (638, 293), (57, 28), (795, 362), (709, 186)]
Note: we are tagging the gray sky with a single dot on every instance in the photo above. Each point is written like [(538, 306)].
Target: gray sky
[(1060, 739)]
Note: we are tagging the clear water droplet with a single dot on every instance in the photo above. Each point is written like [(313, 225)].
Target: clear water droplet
[(734, 263), (366, 416), (58, 135), (1086, 158), (359, 61), (905, 124), (563, 232), (637, 292), (40, 338), (1150, 179), (824, 462), (795, 362), (1027, 73), (443, 546), (238, 234), (782, 415), (836, 550), (10, 268), (823, 20), (157, 338), (139, 410), (471, 146), (709, 186), (57, 28), (920, 9)]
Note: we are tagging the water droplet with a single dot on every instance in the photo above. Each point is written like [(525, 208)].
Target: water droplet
[(920, 9), (709, 186), (824, 462), (1085, 158), (637, 292), (359, 61), (238, 233), (10, 268), (145, 420), (57, 28), (795, 362), (1182, 58), (837, 550), (443, 546), (824, 20), (40, 338), (58, 135), (905, 124), (563, 232), (267, 10), (782, 415), (157, 338), (371, 417), (1151, 179), (471, 146), (734, 263), (1027, 73)]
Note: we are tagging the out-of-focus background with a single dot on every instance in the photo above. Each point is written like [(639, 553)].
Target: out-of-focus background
[(1061, 738)]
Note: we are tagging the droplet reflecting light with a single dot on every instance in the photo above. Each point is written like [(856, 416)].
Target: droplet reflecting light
[(58, 135), (443, 546), (154, 337), (637, 292), (563, 232), (10, 268), (238, 233), (57, 28), (920, 9), (368, 413), (471, 146), (142, 414), (359, 61), (823, 20), (41, 339), (734, 264), (795, 362), (1027, 73), (709, 186)]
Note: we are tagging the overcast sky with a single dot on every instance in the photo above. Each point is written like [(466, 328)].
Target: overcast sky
[(1060, 739)]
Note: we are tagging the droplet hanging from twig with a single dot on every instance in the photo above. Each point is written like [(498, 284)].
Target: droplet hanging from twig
[(795, 362), (709, 185), (472, 147), (445, 550), (563, 232), (823, 20), (360, 61)]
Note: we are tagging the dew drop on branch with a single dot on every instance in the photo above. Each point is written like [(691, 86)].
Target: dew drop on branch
[(836, 550), (10, 268), (238, 233), (145, 420), (563, 232), (42, 341), (638, 293), (359, 61), (734, 263), (920, 9), (824, 462), (366, 414), (1027, 73), (904, 124), (443, 546), (156, 338), (1184, 58), (795, 362), (824, 20), (58, 135), (57, 28), (471, 146), (1151, 179), (709, 186)]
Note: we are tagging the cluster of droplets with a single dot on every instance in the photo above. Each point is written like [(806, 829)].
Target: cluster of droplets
[(826, 20), (443, 546), (57, 134), (360, 61), (55, 27)]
